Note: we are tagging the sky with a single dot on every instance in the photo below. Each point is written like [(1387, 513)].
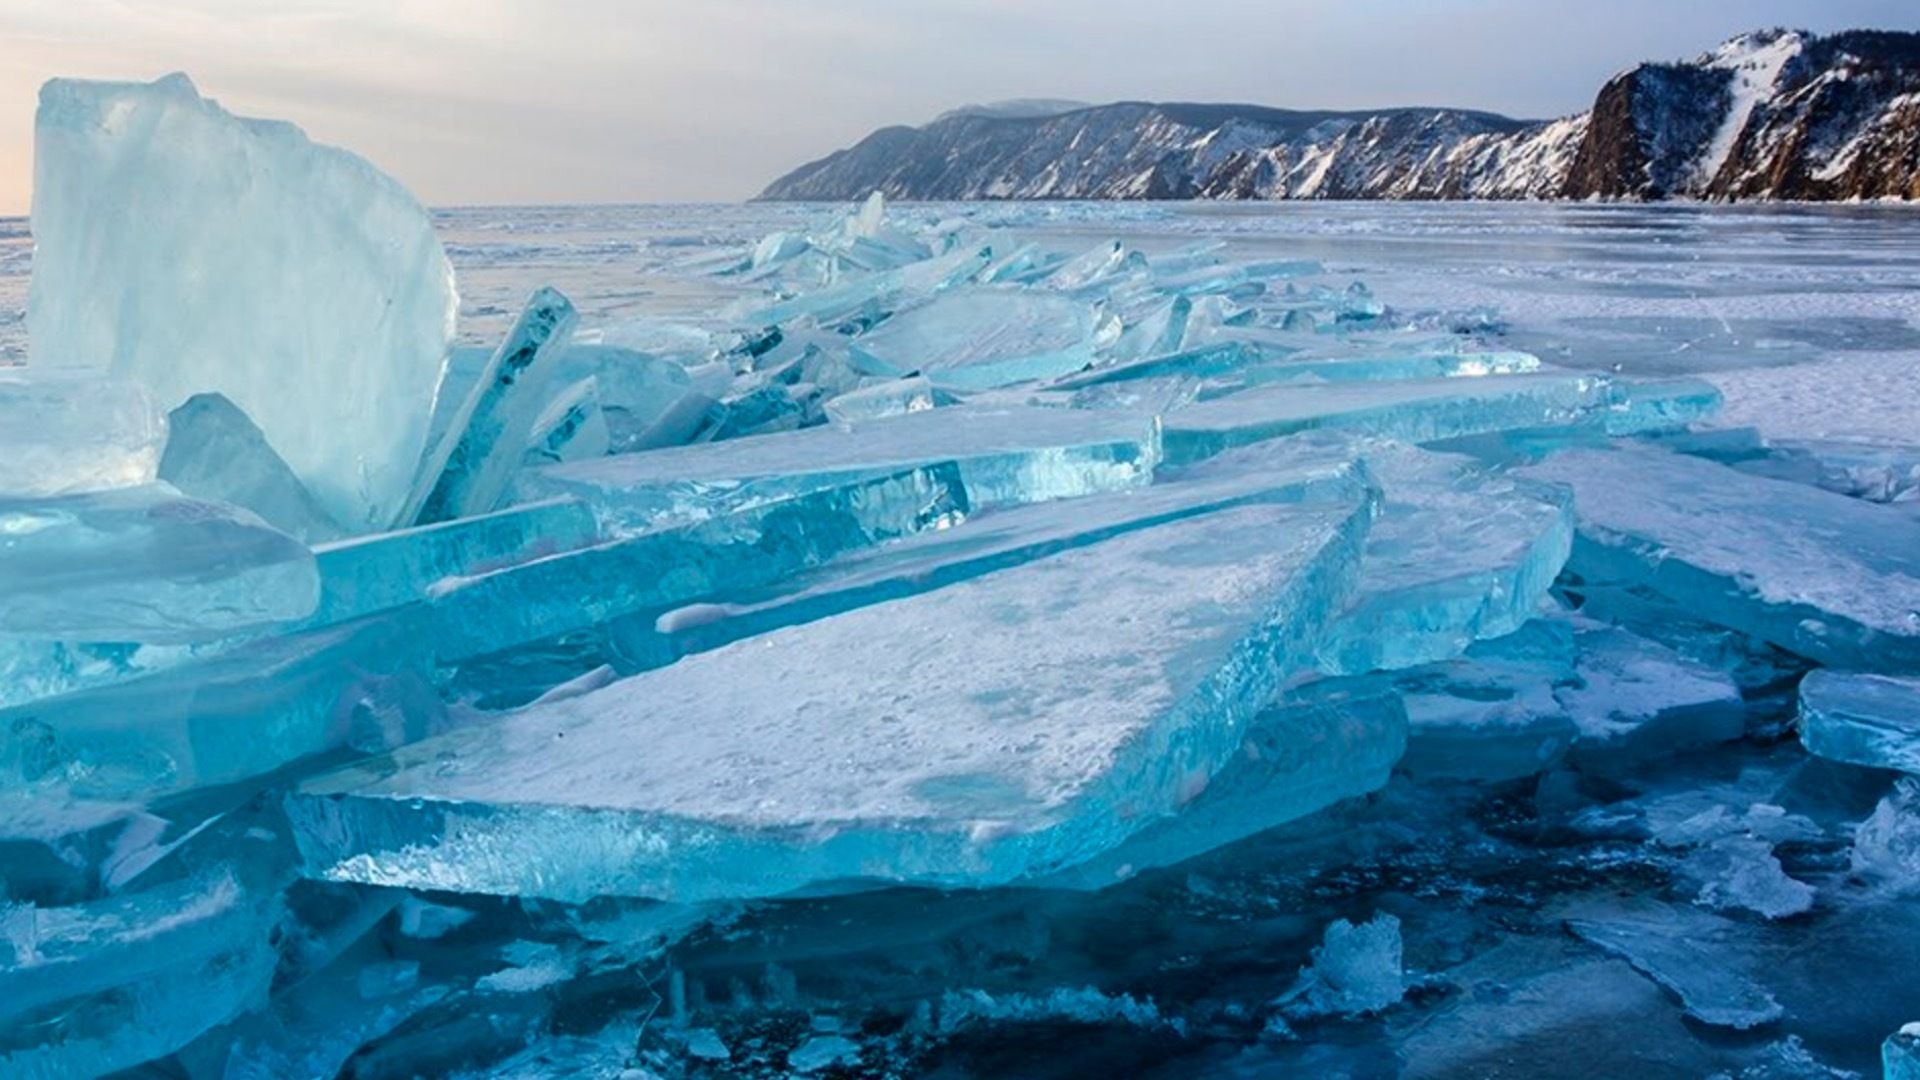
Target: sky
[(526, 101)]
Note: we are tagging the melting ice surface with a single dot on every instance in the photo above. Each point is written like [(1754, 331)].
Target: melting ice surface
[(959, 640)]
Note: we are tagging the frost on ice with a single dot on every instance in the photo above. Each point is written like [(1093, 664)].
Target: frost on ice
[(943, 639)]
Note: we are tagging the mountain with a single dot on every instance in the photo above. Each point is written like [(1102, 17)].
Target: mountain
[(1774, 114)]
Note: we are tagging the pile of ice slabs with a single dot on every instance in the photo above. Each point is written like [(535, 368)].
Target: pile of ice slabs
[(939, 559)]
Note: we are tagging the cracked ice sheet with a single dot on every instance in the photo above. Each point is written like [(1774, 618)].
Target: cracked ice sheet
[(1869, 720), (1827, 577), (1014, 743), (1006, 456)]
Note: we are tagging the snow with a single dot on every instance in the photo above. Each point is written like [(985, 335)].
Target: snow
[(1755, 62)]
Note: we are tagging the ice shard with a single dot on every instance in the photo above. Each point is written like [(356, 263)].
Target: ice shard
[(1005, 456), (982, 338), (487, 437), (319, 300), (1862, 719), (571, 427), (1676, 948), (1645, 407), (1284, 471), (1412, 410), (63, 435), (1454, 558), (215, 452), (1830, 578), (1491, 714), (1011, 744), (388, 570), (238, 714), (894, 397), (1900, 1056), (146, 564)]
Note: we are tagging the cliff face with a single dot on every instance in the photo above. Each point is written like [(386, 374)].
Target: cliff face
[(1772, 114)]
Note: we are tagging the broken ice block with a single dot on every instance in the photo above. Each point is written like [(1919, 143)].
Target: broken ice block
[(64, 435), (1414, 410), (1356, 970), (193, 251), (374, 573), (648, 401), (215, 452), (895, 397), (1871, 720), (1491, 714), (1005, 456), (486, 438), (1900, 1055), (1635, 698), (1009, 742), (145, 564), (1830, 578), (571, 427), (1453, 558), (1645, 407), (1289, 471), (241, 713), (657, 570), (982, 338), (1886, 846), (1684, 950)]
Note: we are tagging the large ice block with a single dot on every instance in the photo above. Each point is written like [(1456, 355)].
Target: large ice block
[(1454, 558), (63, 435), (487, 437), (1291, 471), (1634, 698), (240, 713), (1006, 456), (145, 564), (1411, 410), (1830, 578), (1861, 719), (374, 573), (1009, 741), (1491, 714), (215, 452), (983, 338), (194, 251)]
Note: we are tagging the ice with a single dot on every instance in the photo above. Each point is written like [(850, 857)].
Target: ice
[(822, 1052), (375, 573), (995, 757), (1638, 408), (1454, 558), (983, 338), (1635, 698), (1900, 1057), (1005, 457), (1356, 970), (215, 452), (1743, 873), (319, 301), (1886, 846), (65, 435), (571, 427), (1862, 719), (648, 401), (1410, 410), (235, 715), (486, 439), (1492, 714), (146, 564), (1680, 948), (1818, 574), (894, 397)]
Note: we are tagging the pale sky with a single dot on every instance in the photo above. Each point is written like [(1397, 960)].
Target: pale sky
[(514, 101)]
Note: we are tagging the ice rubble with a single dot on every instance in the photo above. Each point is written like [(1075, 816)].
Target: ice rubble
[(932, 561)]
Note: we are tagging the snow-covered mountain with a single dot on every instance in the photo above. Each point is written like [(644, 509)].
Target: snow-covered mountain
[(1770, 114)]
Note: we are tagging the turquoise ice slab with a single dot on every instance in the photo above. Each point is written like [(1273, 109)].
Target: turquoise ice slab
[(1834, 579), (1315, 747), (146, 564), (1869, 720), (659, 569), (1456, 556), (216, 452), (1900, 1055), (1411, 410), (1684, 951), (1284, 470), (1643, 407), (238, 714), (995, 730), (374, 573), (982, 338), (61, 434), (1491, 714), (1005, 456)]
